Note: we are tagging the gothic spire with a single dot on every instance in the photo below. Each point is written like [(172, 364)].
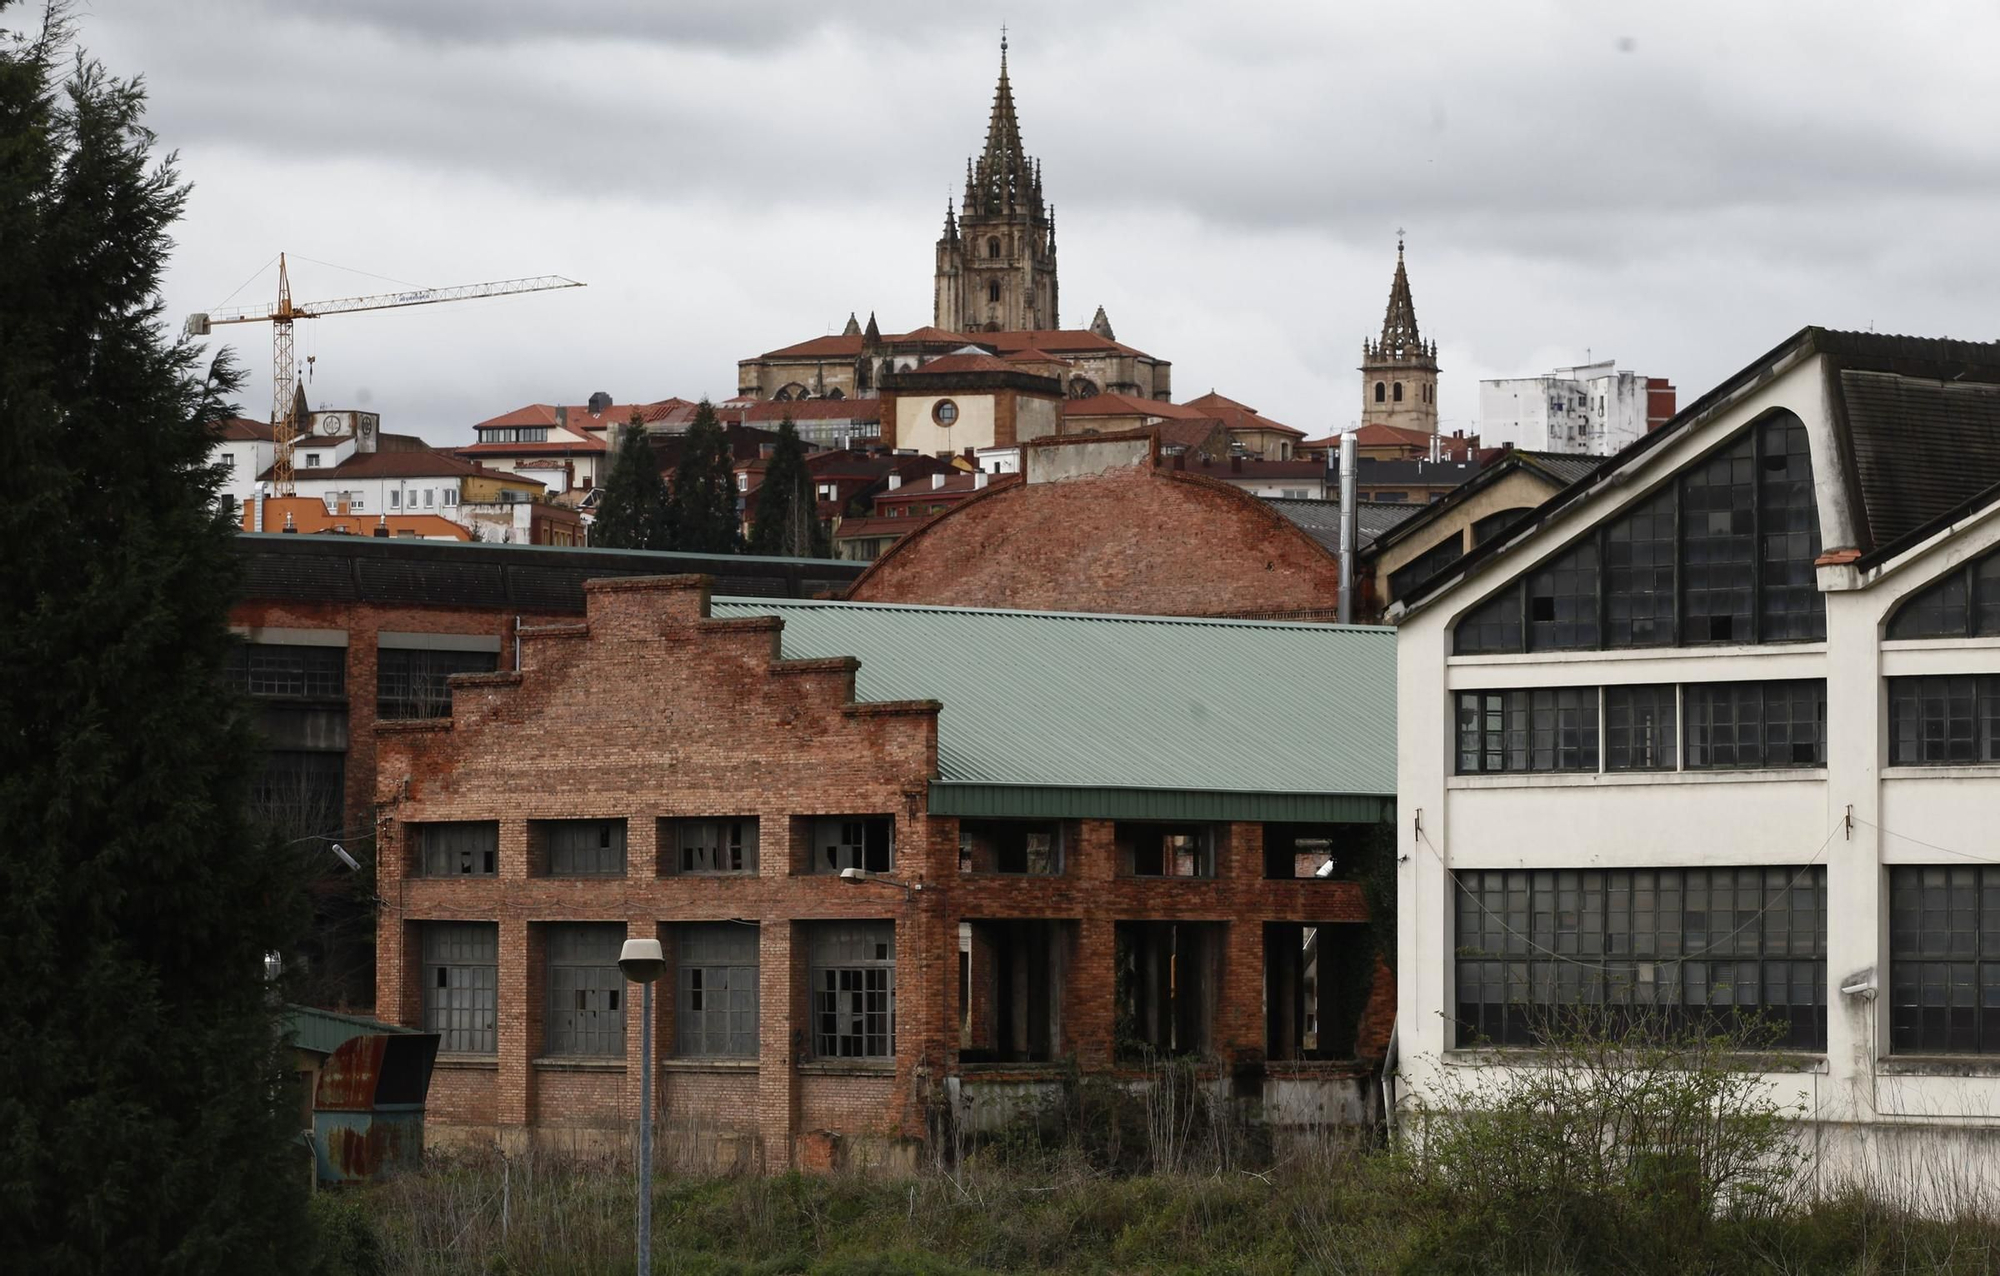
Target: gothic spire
[(950, 223), (872, 334), (1400, 338), (1004, 179)]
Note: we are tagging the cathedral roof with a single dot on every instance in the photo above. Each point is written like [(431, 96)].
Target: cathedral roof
[(1061, 342)]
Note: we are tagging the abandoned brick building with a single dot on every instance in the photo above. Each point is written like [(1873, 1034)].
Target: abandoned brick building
[(1070, 846)]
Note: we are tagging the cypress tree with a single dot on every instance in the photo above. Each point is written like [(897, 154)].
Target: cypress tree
[(704, 495), (634, 512), (146, 1110), (787, 510)]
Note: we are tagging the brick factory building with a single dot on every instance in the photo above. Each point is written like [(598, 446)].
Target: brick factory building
[(1069, 852)]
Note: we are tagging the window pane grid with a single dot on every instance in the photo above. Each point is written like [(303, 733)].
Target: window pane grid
[(1944, 959), (716, 1010), (585, 848), (411, 683), (1689, 945), (1562, 601), (1639, 576), (1639, 728), (1426, 565), (459, 849), (1734, 725), (461, 985), (282, 671), (1538, 729), (854, 990), (1939, 720), (1791, 606), (713, 846), (586, 990)]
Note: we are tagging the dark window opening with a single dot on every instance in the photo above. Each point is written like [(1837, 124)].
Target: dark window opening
[(1027, 847), (1944, 959), (1639, 576), (469, 849), (993, 290), (1398, 393), (461, 986), (411, 684), (852, 841), (1734, 725), (1166, 850), (993, 247), (853, 983), (578, 848), (1010, 1009), (1943, 719), (1639, 728), (708, 846), (1381, 392), (1493, 626), (1677, 947), (1562, 601), (1332, 852), (1964, 604), (1317, 979), (586, 1013), (285, 672), (1530, 729), (1168, 975), (1493, 524), (1425, 565), (715, 1005)]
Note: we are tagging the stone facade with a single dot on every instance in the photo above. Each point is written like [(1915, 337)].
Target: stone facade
[(996, 261), (1399, 369)]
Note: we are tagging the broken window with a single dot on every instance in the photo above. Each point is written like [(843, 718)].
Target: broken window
[(1943, 719), (1691, 947), (1562, 601), (1639, 728), (1964, 604), (1330, 851), (1010, 1007), (581, 848), (466, 849), (411, 684), (1944, 959), (1733, 725), (461, 985), (1317, 980), (715, 1011), (1530, 729), (1167, 979), (586, 990), (1166, 850), (852, 841), (1029, 847), (854, 990), (709, 846)]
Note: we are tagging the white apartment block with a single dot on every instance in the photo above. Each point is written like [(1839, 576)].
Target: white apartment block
[(1720, 734), (1595, 410)]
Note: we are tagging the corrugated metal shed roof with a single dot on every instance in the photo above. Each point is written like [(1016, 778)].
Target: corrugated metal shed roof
[(1321, 519), (1920, 446), (1065, 700), (324, 1031)]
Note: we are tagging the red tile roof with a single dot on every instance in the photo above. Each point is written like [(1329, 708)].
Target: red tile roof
[(1132, 405), (238, 429), (1189, 433), (918, 490), (554, 447), (946, 365), (579, 417), (1032, 355), (406, 464), (1059, 341), (1238, 416), (857, 528), (307, 515), (813, 410)]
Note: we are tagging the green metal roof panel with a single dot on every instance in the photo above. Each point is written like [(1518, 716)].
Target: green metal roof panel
[(324, 1031), (1067, 700)]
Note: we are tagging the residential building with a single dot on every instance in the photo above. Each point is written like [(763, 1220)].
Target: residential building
[(1395, 443), (568, 449), (880, 881), (1714, 734), (244, 450), (309, 516), (1594, 410), (820, 423), (1249, 430), (1099, 525), (345, 460), (1399, 369)]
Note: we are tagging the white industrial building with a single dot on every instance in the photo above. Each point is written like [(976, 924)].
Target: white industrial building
[(1594, 409), (1718, 731)]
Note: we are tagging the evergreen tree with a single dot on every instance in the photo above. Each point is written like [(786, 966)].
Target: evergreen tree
[(787, 510), (146, 1110), (634, 513), (704, 495)]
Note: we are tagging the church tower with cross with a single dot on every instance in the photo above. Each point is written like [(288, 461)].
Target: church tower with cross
[(1399, 371), (996, 262)]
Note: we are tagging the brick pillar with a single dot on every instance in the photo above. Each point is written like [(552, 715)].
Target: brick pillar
[(397, 959), (781, 1027), (979, 990), (1245, 854), (513, 1098), (1238, 1028), (1090, 1013)]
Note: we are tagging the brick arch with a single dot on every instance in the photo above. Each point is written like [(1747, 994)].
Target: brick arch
[(1141, 541)]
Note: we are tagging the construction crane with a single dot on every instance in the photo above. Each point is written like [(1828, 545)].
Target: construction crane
[(280, 316)]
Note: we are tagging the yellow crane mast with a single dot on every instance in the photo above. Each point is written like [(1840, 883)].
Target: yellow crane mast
[(281, 314)]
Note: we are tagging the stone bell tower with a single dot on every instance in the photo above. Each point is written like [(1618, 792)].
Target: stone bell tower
[(996, 262), (1399, 371)]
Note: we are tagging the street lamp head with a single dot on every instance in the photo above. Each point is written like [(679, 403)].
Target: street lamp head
[(853, 874), (341, 852), (642, 960)]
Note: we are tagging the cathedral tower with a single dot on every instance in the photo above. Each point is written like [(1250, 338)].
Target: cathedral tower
[(1399, 372), (996, 262)]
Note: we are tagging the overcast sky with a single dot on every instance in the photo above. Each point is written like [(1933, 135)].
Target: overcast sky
[(1679, 186)]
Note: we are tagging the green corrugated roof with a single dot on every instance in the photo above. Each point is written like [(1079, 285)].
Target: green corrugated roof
[(324, 1031), (1066, 700)]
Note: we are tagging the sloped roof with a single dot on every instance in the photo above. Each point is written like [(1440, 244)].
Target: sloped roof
[(1054, 704), (1059, 341), (238, 429), (1237, 416), (766, 410), (1321, 519), (411, 463), (946, 365), (1132, 405)]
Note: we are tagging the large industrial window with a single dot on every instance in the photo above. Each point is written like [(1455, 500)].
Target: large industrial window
[(1734, 538), (461, 985), (854, 990), (1944, 959), (709, 846), (1166, 850), (469, 849), (411, 684), (1944, 719), (852, 841), (1639, 728), (581, 848), (1538, 729), (1030, 847), (1964, 604), (1683, 946), (1317, 980), (1756, 724), (299, 792), (282, 671), (1167, 984), (586, 990), (715, 1010), (1426, 565)]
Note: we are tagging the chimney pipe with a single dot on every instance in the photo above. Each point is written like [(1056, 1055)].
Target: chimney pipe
[(895, 481), (979, 479), (937, 481), (1348, 516)]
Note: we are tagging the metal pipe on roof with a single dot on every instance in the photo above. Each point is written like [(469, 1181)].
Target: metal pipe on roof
[(1348, 515)]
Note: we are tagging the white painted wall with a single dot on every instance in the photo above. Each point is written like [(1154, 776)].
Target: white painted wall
[(1594, 410), (245, 459), (1864, 1098)]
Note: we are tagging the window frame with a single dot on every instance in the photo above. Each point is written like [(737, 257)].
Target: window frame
[(431, 858), (581, 966), (1981, 720), (676, 854), (839, 968), (864, 855), (1977, 582), (1764, 725), (612, 836), (1957, 972), (425, 674), (1517, 749), (477, 981), (698, 963)]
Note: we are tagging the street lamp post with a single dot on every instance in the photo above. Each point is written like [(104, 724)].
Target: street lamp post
[(641, 960)]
